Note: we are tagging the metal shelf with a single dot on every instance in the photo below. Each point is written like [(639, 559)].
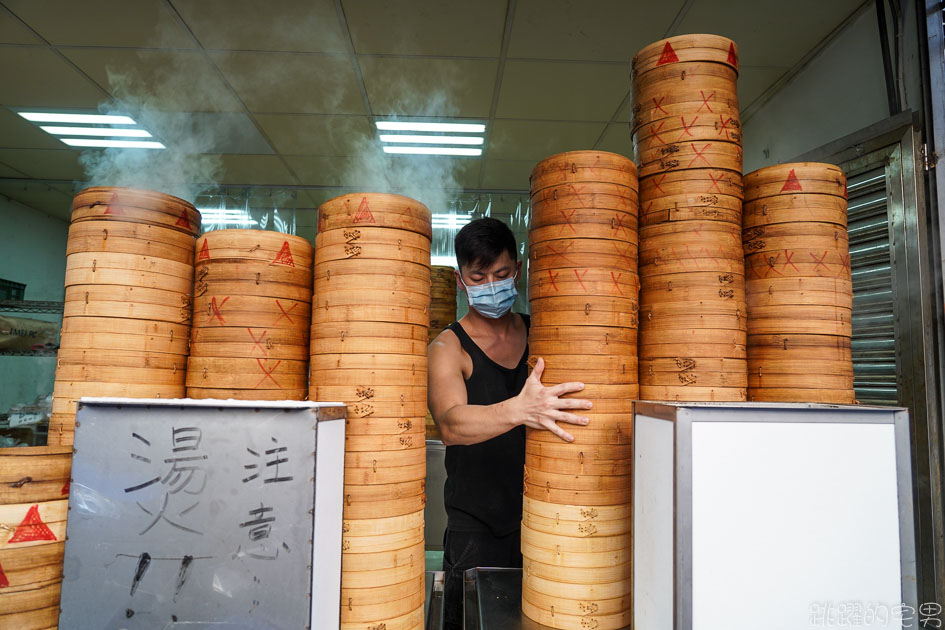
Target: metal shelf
[(40, 353), (31, 306)]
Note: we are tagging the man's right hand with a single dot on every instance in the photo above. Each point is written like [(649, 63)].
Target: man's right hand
[(541, 407)]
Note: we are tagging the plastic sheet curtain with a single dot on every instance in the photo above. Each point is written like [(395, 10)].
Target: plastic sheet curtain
[(271, 209)]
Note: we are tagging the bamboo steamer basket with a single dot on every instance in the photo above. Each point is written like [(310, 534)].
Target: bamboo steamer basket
[(786, 235), (582, 253), (683, 393), (692, 154), (800, 242), (603, 428), (667, 132), (368, 378), (621, 227), (542, 480), (589, 609), (377, 474), (355, 393), (790, 208), (34, 474), (576, 530), (580, 560), (381, 526), (706, 280), (232, 342), (716, 265), (369, 337), (135, 206), (801, 381), (787, 366), (577, 576), (671, 349), (246, 373), (559, 372), (586, 340), (387, 459), (713, 293), (375, 210), (119, 237), (689, 336), (698, 181), (843, 396), (331, 280), (407, 558), (375, 310), (678, 208), (553, 205), (574, 167), (603, 282), (299, 393), (146, 376), (273, 248), (250, 284), (812, 297), (699, 235), (141, 335), (575, 311), (119, 359), (576, 452), (381, 594), (800, 319), (696, 379), (557, 619), (335, 298), (691, 108), (411, 596), (128, 269), (796, 178), (382, 412), (352, 361), (564, 222), (584, 513), (251, 311), (411, 621), (564, 466), (251, 277), (685, 48), (810, 263), (381, 492), (696, 73), (127, 302), (372, 244), (829, 347), (382, 508), (382, 442), (580, 364), (544, 542), (564, 590), (660, 320)]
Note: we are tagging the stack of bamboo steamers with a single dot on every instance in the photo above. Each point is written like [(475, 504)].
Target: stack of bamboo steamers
[(369, 349), (583, 285), (800, 293), (688, 147), (252, 314)]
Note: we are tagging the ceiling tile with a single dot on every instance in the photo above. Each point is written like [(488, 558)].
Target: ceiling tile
[(607, 30), (536, 140), (412, 86), (284, 83), (18, 133), (280, 25), (624, 115), (13, 31), (9, 171), (142, 23), (319, 171), (256, 169), (753, 81), (561, 91), (44, 163), (320, 196), (207, 132), (452, 28), (163, 80), (769, 32), (43, 79), (506, 174), (302, 134), (617, 140), (49, 199)]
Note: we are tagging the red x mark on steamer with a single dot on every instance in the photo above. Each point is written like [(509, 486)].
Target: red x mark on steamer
[(267, 373), (257, 342), (285, 313)]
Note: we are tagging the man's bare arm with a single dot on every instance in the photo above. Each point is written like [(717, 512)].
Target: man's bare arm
[(536, 406)]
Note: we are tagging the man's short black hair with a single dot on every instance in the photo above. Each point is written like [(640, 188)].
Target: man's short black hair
[(482, 241)]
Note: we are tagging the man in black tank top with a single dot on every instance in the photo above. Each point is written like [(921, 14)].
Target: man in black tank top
[(482, 398)]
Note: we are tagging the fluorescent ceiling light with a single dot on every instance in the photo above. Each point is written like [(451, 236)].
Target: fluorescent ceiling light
[(220, 211), (85, 119), (96, 131), (232, 221), (430, 139), (433, 150), (446, 215), (390, 125), (112, 144)]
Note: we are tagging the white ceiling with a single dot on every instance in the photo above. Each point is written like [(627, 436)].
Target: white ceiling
[(286, 90)]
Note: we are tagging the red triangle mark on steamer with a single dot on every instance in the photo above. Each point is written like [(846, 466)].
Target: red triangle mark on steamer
[(668, 56), (732, 57), (364, 214), (114, 206), (204, 251), (65, 489), (32, 528), (284, 257), (4, 582), (791, 183), (184, 220)]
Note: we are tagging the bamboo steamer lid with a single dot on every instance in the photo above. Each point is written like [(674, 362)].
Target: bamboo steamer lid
[(382, 508), (353, 393), (697, 181), (563, 621), (381, 526), (271, 343), (665, 132), (130, 238), (577, 576), (565, 590), (85, 269), (693, 154), (380, 594), (410, 621), (260, 278), (127, 302), (602, 282), (273, 248), (372, 244), (250, 311), (52, 513), (789, 208), (352, 361), (566, 466), (370, 562), (698, 207), (27, 566), (136, 206), (578, 607), (591, 311), (583, 253), (685, 48), (796, 178), (375, 210), (826, 396), (567, 559), (684, 393), (247, 394), (246, 373), (375, 442), (583, 166)]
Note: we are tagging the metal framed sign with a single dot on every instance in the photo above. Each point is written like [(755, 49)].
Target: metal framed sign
[(203, 514)]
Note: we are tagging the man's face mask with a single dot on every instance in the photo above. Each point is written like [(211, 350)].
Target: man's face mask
[(493, 299)]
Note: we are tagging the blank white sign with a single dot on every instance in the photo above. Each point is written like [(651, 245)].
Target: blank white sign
[(795, 525)]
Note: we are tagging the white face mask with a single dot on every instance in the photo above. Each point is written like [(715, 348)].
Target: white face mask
[(493, 299)]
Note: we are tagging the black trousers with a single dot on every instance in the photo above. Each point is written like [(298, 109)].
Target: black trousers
[(467, 550)]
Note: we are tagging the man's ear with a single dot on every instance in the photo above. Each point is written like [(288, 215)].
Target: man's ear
[(459, 280)]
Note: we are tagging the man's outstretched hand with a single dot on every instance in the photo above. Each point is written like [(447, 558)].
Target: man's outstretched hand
[(541, 407)]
